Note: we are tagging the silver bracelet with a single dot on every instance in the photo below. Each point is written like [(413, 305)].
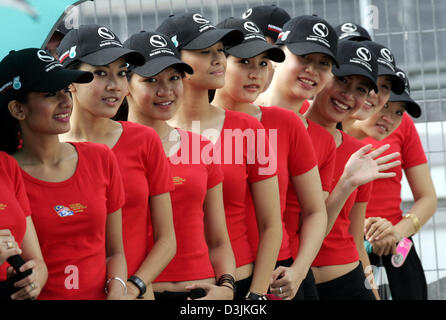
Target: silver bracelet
[(120, 280)]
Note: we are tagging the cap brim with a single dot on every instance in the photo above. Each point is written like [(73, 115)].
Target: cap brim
[(62, 78), (412, 107), (254, 48), (301, 48), (350, 70), (155, 66), (398, 85), (108, 55), (229, 37)]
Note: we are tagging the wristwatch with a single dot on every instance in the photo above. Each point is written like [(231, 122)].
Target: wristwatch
[(140, 284), (255, 296)]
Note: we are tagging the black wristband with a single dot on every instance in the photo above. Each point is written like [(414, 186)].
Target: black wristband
[(229, 279), (140, 284), (255, 296)]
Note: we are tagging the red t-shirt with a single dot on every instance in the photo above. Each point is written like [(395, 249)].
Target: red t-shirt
[(243, 150), (339, 246), (70, 221), (325, 149), (386, 195), (192, 180), (14, 204), (145, 173), (291, 141)]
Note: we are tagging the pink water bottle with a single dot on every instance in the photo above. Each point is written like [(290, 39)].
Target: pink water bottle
[(402, 250)]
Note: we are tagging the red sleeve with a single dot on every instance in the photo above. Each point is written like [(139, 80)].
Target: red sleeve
[(300, 145), (20, 190), (158, 170), (364, 192), (264, 165), (115, 190), (412, 151)]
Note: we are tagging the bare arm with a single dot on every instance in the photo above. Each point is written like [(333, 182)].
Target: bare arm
[(265, 194), (116, 263), (32, 255), (357, 218), (314, 223), (164, 246)]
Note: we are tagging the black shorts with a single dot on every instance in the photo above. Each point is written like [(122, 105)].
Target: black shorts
[(407, 282), (350, 286)]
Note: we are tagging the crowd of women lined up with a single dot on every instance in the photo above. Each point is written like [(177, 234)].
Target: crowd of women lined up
[(252, 159)]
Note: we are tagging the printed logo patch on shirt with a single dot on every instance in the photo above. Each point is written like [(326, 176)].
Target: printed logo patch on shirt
[(3, 206), (63, 211), (178, 180)]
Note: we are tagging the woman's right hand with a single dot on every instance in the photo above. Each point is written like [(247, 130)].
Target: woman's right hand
[(8, 246)]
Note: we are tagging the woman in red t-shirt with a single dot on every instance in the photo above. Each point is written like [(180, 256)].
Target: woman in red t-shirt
[(250, 180), (337, 267), (148, 231), (394, 126), (245, 77), (204, 256), (76, 203), (17, 232)]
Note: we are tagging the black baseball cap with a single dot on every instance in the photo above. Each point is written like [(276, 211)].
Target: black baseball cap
[(309, 34), (35, 70), (254, 42), (269, 18), (386, 64), (95, 45), (192, 31), (159, 53), (412, 107), (352, 31), (355, 58)]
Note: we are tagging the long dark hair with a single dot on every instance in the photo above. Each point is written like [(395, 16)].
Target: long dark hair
[(10, 133)]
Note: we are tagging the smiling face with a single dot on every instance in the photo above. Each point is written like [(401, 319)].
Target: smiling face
[(245, 78), (46, 113), (341, 97), (375, 101), (303, 76), (381, 124), (209, 67), (157, 97), (103, 96)]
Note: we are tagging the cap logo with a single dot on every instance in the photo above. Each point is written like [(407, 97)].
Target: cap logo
[(284, 35), (174, 40), (44, 56), (386, 54), (158, 41), (364, 54), (401, 75), (198, 18), (247, 13), (106, 33), (251, 27), (348, 27), (16, 84), (320, 30)]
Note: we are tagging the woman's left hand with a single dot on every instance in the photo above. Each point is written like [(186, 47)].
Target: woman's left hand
[(285, 282), (213, 292), (30, 287)]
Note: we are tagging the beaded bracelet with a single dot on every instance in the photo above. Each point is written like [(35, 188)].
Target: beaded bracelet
[(227, 278)]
